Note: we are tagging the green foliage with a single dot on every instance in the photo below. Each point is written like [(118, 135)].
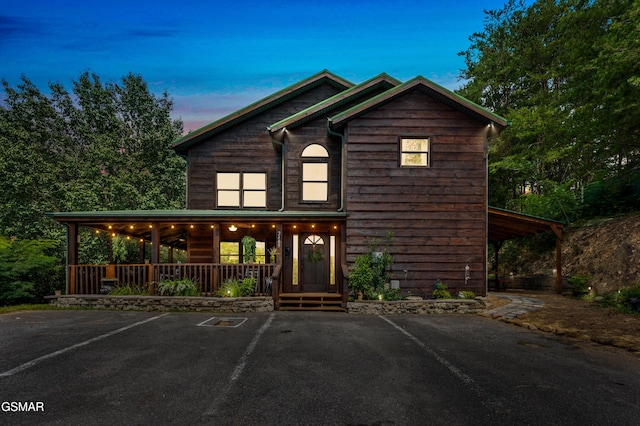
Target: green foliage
[(371, 272), (183, 287), (467, 294), (579, 284), (626, 300), (441, 291), (249, 249), (129, 290), (102, 146), (392, 294), (27, 271), (237, 288), (567, 76)]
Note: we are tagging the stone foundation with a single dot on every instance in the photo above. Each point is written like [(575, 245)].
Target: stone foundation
[(167, 303), (375, 307), (261, 304)]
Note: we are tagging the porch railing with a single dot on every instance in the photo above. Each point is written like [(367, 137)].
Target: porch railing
[(97, 279)]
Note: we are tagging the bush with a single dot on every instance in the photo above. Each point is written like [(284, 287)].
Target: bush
[(26, 270), (392, 294), (466, 295), (440, 291), (183, 287), (235, 288), (627, 299), (129, 290), (579, 285)]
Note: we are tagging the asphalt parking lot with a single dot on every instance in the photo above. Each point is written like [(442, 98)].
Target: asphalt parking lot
[(313, 368)]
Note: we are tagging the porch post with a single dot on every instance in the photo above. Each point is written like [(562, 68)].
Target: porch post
[(155, 243), (141, 245), (558, 231), (216, 243), (72, 257)]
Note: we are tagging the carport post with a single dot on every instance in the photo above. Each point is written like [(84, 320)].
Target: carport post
[(558, 231)]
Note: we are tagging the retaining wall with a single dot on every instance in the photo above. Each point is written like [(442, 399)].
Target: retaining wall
[(375, 307), (167, 303)]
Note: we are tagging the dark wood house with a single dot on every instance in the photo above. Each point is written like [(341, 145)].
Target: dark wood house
[(325, 166)]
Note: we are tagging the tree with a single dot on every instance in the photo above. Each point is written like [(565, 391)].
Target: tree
[(101, 147), (566, 73)]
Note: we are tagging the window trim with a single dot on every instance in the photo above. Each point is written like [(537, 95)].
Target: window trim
[(326, 160), (428, 152), (241, 190)]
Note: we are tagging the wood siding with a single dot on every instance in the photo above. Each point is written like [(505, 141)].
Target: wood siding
[(437, 214), (245, 147)]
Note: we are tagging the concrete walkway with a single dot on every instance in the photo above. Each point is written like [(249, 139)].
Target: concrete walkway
[(519, 306)]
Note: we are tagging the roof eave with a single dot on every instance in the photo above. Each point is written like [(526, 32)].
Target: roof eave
[(181, 144), (435, 90), (325, 106)]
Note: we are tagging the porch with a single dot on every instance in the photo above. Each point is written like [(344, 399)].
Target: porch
[(208, 277)]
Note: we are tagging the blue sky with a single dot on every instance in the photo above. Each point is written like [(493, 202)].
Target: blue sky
[(216, 56)]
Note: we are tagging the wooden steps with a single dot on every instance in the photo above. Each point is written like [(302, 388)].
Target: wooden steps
[(310, 302)]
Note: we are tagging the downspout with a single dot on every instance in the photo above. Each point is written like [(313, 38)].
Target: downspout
[(282, 177), (342, 164)]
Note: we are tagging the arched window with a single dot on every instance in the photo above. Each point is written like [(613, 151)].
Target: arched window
[(315, 173)]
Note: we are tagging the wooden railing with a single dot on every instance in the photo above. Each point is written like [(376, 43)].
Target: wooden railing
[(97, 279)]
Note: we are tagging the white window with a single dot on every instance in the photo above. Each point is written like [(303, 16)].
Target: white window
[(315, 173), (241, 189), (414, 152)]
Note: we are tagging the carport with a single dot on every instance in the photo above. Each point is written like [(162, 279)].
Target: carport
[(507, 225)]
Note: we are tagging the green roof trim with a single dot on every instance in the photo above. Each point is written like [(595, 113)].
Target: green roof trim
[(334, 101), (190, 215), (182, 143), (434, 89)]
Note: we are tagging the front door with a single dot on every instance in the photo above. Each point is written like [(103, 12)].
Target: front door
[(314, 263)]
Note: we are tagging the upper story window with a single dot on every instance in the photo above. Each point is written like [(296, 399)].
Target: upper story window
[(315, 173), (241, 189), (415, 152)]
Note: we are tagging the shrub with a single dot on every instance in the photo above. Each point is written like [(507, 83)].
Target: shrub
[(235, 288), (466, 295), (25, 270), (627, 299), (370, 273), (440, 291), (392, 294), (183, 287), (129, 290), (579, 285)]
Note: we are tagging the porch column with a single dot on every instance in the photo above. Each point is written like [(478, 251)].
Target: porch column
[(216, 243), (155, 243), (72, 257), (279, 235)]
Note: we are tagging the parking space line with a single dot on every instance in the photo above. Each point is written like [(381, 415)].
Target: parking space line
[(487, 399), (37, 361), (242, 362)]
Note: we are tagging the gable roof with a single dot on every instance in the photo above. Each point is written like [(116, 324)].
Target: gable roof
[(429, 87), (181, 144), (382, 81)]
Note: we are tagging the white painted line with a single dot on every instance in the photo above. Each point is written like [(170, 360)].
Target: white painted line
[(36, 361), (485, 397), (230, 319), (242, 362)]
